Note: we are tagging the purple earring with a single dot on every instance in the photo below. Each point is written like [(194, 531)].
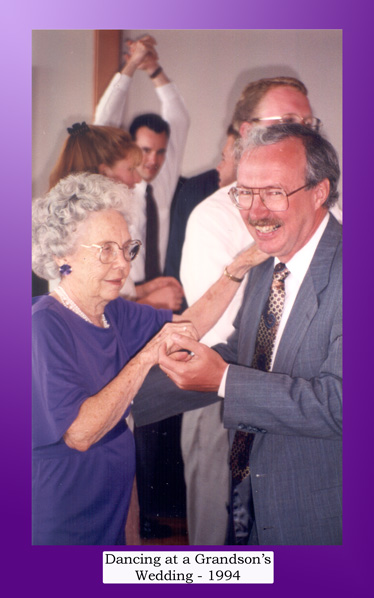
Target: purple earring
[(65, 269)]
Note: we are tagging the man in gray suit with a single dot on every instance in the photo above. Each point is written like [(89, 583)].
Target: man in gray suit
[(291, 409)]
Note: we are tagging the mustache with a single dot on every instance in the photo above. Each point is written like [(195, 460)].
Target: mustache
[(264, 222)]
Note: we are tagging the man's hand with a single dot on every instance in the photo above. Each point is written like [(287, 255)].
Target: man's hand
[(142, 53), (164, 292), (201, 371), (143, 56)]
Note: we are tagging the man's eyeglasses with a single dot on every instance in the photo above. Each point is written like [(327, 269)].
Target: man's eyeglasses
[(109, 251), (274, 199), (309, 121)]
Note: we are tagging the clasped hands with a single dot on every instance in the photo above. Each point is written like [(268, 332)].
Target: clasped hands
[(191, 365), (142, 53)]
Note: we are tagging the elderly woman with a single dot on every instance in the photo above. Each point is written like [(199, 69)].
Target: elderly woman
[(91, 352), (112, 152)]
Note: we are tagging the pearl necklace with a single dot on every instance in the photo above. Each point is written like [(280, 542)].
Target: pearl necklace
[(69, 303)]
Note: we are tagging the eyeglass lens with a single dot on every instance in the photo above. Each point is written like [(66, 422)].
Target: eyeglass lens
[(274, 199), (110, 250)]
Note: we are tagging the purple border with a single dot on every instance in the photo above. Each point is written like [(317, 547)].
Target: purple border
[(66, 571)]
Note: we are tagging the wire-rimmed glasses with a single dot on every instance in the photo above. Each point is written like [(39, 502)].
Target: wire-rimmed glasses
[(109, 250), (274, 199)]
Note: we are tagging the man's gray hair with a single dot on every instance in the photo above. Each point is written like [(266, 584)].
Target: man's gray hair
[(57, 215), (322, 161)]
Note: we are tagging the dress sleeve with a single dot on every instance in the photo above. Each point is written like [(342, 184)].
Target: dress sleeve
[(57, 385), (138, 323)]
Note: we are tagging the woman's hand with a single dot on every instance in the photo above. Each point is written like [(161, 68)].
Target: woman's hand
[(247, 259), (165, 341)]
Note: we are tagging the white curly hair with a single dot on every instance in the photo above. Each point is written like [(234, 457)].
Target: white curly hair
[(56, 216)]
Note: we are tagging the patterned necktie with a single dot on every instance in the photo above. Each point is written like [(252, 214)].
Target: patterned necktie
[(152, 260), (267, 330)]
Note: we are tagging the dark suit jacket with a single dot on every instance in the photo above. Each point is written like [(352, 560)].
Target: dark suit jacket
[(295, 411)]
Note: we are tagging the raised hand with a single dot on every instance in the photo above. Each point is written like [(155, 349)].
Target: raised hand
[(141, 53)]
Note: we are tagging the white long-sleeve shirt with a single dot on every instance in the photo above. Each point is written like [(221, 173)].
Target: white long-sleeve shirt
[(110, 111), (215, 234)]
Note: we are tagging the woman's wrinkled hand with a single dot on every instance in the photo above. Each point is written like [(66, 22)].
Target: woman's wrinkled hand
[(164, 338), (247, 259)]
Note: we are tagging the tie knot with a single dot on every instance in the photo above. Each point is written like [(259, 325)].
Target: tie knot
[(149, 189), (280, 272)]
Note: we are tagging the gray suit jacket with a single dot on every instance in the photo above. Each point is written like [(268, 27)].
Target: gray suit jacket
[(295, 411)]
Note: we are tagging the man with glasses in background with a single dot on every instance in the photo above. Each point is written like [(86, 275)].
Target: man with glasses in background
[(215, 233)]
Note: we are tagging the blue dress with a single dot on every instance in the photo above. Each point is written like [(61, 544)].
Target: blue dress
[(82, 497)]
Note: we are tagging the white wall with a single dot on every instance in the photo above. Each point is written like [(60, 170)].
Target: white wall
[(62, 93), (210, 68)]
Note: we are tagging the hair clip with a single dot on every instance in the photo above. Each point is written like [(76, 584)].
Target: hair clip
[(65, 269), (77, 129)]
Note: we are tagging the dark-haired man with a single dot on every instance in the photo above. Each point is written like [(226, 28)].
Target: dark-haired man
[(162, 140)]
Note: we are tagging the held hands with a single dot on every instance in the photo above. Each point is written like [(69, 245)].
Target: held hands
[(201, 371), (165, 343)]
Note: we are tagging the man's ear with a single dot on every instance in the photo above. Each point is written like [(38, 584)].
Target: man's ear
[(105, 170), (322, 191), (244, 128)]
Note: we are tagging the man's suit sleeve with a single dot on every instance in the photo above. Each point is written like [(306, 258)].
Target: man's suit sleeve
[(159, 398)]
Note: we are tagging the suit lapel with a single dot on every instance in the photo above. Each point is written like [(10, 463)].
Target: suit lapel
[(306, 303)]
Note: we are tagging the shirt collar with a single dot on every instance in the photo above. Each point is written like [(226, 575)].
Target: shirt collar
[(300, 262), (141, 186)]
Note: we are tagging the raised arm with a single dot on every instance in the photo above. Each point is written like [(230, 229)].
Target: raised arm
[(207, 310), (111, 107)]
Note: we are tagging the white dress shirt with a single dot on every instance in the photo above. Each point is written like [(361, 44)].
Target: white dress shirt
[(215, 234), (110, 111)]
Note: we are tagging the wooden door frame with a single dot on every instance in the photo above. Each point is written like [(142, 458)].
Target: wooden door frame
[(107, 59)]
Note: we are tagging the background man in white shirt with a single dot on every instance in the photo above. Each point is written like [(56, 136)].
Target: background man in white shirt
[(292, 494), (215, 233)]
